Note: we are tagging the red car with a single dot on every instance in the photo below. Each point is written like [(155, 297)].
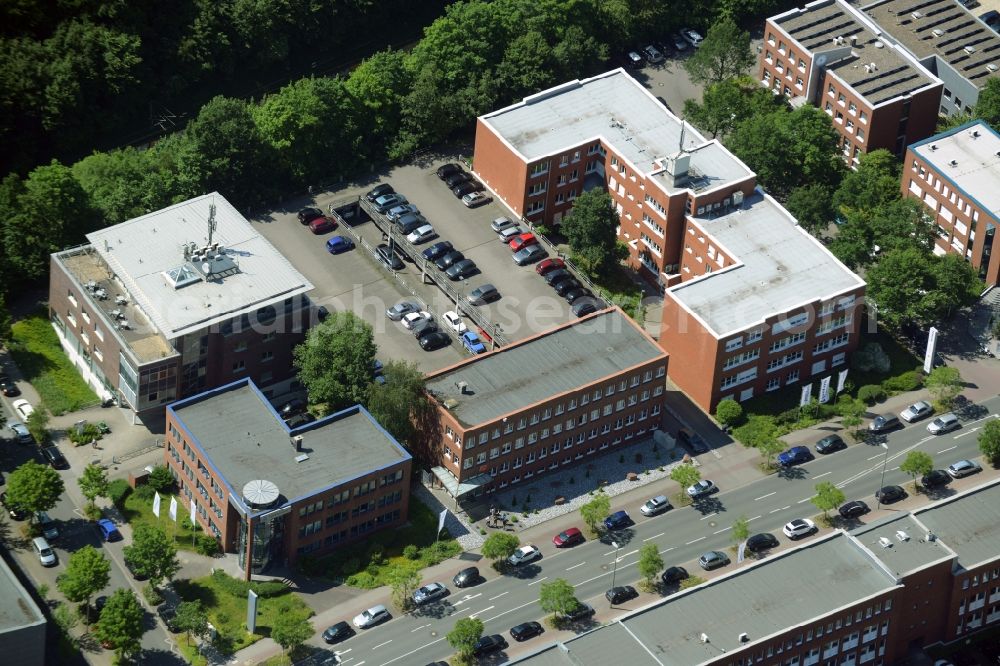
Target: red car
[(322, 225), (570, 537), (524, 240), (550, 264)]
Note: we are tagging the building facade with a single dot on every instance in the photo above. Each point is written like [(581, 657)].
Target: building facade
[(831, 55), (23, 626), (546, 402), (177, 301), (956, 175), (276, 494)]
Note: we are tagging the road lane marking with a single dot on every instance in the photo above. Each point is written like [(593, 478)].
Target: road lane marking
[(724, 529), (757, 499), (820, 476), (342, 653), (667, 550), (804, 500), (403, 656), (948, 449), (381, 644), (424, 626), (519, 607), (968, 432), (709, 515), (773, 511), (695, 541), (877, 455), (754, 518), (467, 598), (461, 610), (571, 568), (499, 595), (631, 552), (656, 536), (482, 611), (535, 582), (785, 508)]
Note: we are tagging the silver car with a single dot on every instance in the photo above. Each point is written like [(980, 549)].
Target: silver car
[(371, 617), (944, 423), (500, 224), (656, 505), (916, 411), (401, 309), (429, 593)]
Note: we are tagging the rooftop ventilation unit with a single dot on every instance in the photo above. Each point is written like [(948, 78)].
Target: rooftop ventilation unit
[(878, 44), (461, 386), (297, 442), (885, 543), (931, 537), (991, 67), (970, 49), (902, 536), (854, 40), (260, 493), (450, 403), (302, 457), (744, 638), (974, 133), (737, 198), (703, 637), (933, 147), (953, 163), (937, 32), (916, 16)]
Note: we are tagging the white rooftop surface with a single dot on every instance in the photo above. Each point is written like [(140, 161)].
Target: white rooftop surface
[(140, 250), (780, 266), (615, 107), (977, 172)]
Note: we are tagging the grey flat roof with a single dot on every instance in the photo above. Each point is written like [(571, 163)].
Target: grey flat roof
[(941, 28), (18, 608), (818, 24), (616, 108), (969, 524), (976, 169), (244, 439), (780, 266), (787, 590), (559, 360), (902, 555), (139, 251)]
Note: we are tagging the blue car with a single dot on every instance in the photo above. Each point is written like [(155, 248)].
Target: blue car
[(108, 530), (472, 342), (794, 456), (339, 244), (617, 521)]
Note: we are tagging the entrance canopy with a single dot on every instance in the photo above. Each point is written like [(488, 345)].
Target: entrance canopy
[(457, 489)]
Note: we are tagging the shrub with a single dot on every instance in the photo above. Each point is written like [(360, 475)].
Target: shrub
[(729, 412), (206, 545), (907, 381), (871, 358), (160, 478), (145, 492), (84, 435), (118, 490), (758, 429), (411, 552), (788, 416), (871, 393), (152, 595), (363, 580)]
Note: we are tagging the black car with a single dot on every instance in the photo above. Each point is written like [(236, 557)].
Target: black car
[(292, 407), (674, 575), (447, 259), (829, 444), (620, 594), (572, 295), (423, 327), (338, 632), (462, 269), (54, 457), (9, 388), (489, 645), (468, 187), (94, 609), (388, 257), (16, 513), (565, 286), (888, 494), (306, 215), (557, 276), (467, 577), (525, 630), (448, 170), (758, 543), (853, 509), (457, 178), (585, 306), (300, 420), (434, 340), (692, 440), (168, 614), (379, 190), (582, 611), (935, 478), (437, 250)]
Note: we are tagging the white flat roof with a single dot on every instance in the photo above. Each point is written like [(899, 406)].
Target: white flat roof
[(976, 169), (616, 108), (779, 266), (139, 251)]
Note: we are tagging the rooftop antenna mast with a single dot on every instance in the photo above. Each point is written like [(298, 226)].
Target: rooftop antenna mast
[(680, 139), (212, 223)]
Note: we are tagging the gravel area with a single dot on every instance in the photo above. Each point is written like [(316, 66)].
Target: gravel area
[(457, 525)]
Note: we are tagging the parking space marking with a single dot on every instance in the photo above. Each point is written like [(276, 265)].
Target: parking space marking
[(757, 499), (820, 476), (695, 541), (535, 582), (482, 611), (655, 536), (948, 449), (468, 597), (381, 644), (571, 568), (709, 515), (423, 626), (499, 595)]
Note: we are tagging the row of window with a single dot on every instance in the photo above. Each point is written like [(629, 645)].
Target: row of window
[(355, 531)]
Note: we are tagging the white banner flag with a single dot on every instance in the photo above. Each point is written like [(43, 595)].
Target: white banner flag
[(929, 353), (841, 380), (156, 504), (741, 552), (807, 394), (441, 517), (173, 509), (824, 390), (192, 513)]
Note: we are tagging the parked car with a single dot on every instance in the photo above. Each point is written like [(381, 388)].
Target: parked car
[(585, 306), (322, 225), (935, 478), (108, 530), (168, 613), (758, 543), (853, 509), (529, 255), (673, 575), (621, 594), (565, 286), (462, 269), (581, 611), (889, 494), (472, 342), (944, 423), (299, 420), (794, 456), (423, 327), (24, 408), (521, 241), (15, 512), (509, 234), (798, 528), (476, 199), (829, 444), (338, 632), (692, 440), (292, 407), (713, 559), (371, 617), (428, 593), (453, 321), (501, 223), (46, 555), (421, 234), (309, 213), (401, 309), (467, 577), (525, 630), (557, 276), (436, 250), (633, 60), (21, 433), (448, 258), (703, 488), (447, 170), (399, 211), (549, 265), (411, 222), (9, 388), (569, 537), (916, 411), (339, 244), (50, 530), (434, 340), (457, 178), (692, 36), (379, 190), (387, 201), (963, 468), (55, 458), (617, 521), (576, 293), (488, 645), (524, 555), (484, 293), (466, 188), (884, 423), (653, 55), (388, 257), (655, 506), (678, 42)]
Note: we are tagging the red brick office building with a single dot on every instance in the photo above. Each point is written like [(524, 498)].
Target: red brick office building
[(956, 175), (275, 494)]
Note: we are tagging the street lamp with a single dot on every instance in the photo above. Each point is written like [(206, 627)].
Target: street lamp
[(615, 569), (878, 495)]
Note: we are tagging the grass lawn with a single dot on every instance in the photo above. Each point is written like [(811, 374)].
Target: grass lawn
[(37, 352), (138, 511), (619, 288)]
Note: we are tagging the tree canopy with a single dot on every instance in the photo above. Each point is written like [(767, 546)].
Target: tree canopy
[(911, 285), (828, 497), (596, 510), (557, 597), (400, 401), (500, 545), (465, 635), (723, 54), (336, 362), (290, 630), (989, 441), (87, 573), (730, 102), (592, 230), (152, 554), (121, 623), (34, 487)]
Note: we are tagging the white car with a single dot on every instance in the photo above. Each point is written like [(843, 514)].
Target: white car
[(656, 505), (454, 322), (414, 318), (653, 55), (371, 617), (944, 423), (916, 411), (798, 528), (701, 489), (963, 468), (508, 234), (23, 408), (524, 554), (474, 199), (692, 36), (421, 234)]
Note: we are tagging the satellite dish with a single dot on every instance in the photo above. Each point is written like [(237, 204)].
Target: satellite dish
[(206, 268)]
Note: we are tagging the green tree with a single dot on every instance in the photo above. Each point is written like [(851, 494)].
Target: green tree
[(38, 424), (811, 206), (596, 510), (914, 286), (988, 104), (400, 402), (827, 498), (465, 635), (93, 483), (191, 619), (867, 234), (152, 554), (728, 412), (121, 623), (944, 384), (336, 361), (499, 546), (917, 463), (768, 449), (725, 104), (724, 54), (591, 230), (874, 183), (557, 597), (989, 442), (290, 630), (686, 475), (5, 329), (87, 573), (380, 83), (403, 580), (527, 66), (741, 530), (650, 564), (160, 479), (34, 487), (124, 184)]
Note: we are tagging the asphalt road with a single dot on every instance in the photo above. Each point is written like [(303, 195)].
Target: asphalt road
[(682, 535)]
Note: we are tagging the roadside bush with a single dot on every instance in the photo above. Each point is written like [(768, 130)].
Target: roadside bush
[(145, 492), (871, 358), (729, 412), (411, 552), (363, 580), (907, 381), (788, 416), (118, 491), (160, 479), (206, 545), (758, 429), (871, 393), (85, 435), (239, 588), (152, 595)]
